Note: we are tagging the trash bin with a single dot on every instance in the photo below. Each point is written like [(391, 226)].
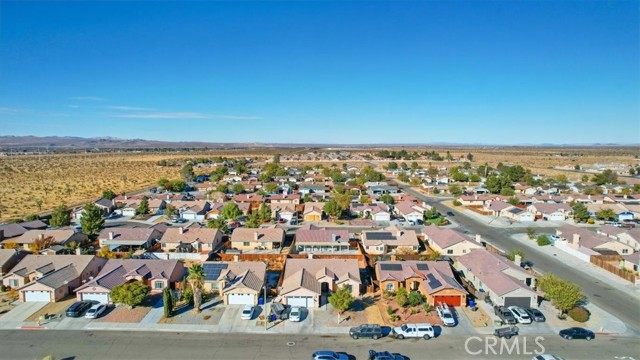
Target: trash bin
[(272, 318), (260, 301), (472, 303)]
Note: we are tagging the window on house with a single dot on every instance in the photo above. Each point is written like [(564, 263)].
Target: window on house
[(625, 251), (464, 251), (13, 283), (246, 243), (158, 285), (164, 245), (389, 286), (449, 252)]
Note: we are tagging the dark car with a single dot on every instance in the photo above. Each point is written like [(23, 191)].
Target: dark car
[(450, 213), (78, 308), (577, 333), (329, 355), (505, 315), (384, 355), (373, 331), (535, 314)]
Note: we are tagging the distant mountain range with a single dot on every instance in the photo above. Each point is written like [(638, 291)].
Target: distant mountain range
[(70, 143)]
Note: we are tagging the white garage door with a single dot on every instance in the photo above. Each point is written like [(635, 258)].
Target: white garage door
[(556, 217), (37, 296), (306, 301), (99, 297), (240, 299)]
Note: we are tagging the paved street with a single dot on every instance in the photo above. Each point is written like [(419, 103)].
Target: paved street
[(81, 345), (608, 297)]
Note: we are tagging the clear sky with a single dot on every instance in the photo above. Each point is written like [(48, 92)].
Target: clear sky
[(494, 72)]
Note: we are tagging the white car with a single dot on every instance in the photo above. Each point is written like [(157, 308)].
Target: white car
[(247, 312), (520, 314), (95, 311), (554, 238), (444, 313), (546, 357), (294, 314)]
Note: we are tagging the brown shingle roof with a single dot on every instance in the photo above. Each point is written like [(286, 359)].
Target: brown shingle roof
[(303, 273), (264, 235), (189, 235)]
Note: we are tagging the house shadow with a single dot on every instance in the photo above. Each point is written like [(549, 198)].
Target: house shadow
[(437, 331), (181, 309), (211, 304), (361, 304)]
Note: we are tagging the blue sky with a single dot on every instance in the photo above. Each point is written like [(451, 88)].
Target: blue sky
[(495, 72)]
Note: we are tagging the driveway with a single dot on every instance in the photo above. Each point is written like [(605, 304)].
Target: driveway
[(20, 313)]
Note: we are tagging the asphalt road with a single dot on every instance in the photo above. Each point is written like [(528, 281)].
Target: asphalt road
[(81, 345), (602, 294)]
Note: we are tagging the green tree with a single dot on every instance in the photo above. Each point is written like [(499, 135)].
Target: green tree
[(92, 220), (131, 294), (270, 188), (543, 240), (253, 220), (31, 217), (344, 200), (196, 282), (164, 183), (531, 233), (108, 194), (342, 299), (585, 178), (265, 213), (170, 210), (392, 165), (430, 213), (60, 217), (402, 297), (231, 211), (178, 185), (219, 224), (415, 298), (563, 294), (580, 212), (513, 201), (237, 188), (470, 157), (387, 199), (38, 203), (455, 189), (606, 214), (223, 188), (606, 177), (168, 302), (143, 208), (307, 198), (187, 172), (493, 184), (333, 209), (403, 177)]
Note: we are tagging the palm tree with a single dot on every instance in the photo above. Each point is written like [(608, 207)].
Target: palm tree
[(196, 281)]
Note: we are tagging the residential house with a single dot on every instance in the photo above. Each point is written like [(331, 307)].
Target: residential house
[(631, 262), (51, 278), (410, 210), (496, 207), (449, 242), (130, 206), (518, 214), (190, 240), (588, 243), (629, 237), (382, 189), (10, 231), (196, 211), (311, 189), (290, 199), (107, 206), (157, 274), (126, 239), (376, 211), (309, 282), (550, 211), (494, 276), (433, 279), (33, 240), (270, 238), (215, 210), (9, 258), (313, 211), (254, 200), (389, 240), (475, 200), (311, 239), (284, 211), (237, 283)]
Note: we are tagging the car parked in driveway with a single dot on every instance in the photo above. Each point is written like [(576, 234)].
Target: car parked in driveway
[(535, 315), (577, 333), (372, 331), (247, 312), (329, 355), (95, 311), (504, 314), (295, 314), (520, 315), (78, 308)]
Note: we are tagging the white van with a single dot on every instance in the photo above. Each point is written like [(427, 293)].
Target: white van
[(424, 330), (444, 313)]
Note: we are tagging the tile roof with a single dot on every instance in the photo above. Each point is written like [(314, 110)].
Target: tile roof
[(408, 207), (264, 235), (6, 255), (190, 235), (14, 230), (489, 269), (498, 205), (444, 237), (548, 208), (304, 273), (439, 270), (59, 236), (321, 235), (116, 271), (60, 276), (313, 207), (32, 263), (124, 234)]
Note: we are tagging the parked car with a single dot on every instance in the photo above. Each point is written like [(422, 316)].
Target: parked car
[(423, 330), (520, 314), (295, 314), (78, 308), (506, 332), (329, 355), (419, 222), (95, 311), (546, 357), (282, 221), (450, 213), (247, 312), (612, 223), (535, 314), (384, 355), (628, 225), (401, 219), (444, 313), (504, 314), (180, 221), (577, 333), (373, 331), (411, 222), (553, 238)]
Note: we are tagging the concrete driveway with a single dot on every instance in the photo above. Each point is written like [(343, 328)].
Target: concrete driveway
[(21, 312)]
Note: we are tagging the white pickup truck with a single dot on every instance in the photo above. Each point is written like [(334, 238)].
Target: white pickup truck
[(445, 314), (424, 330)]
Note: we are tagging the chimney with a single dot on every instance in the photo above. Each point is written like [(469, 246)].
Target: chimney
[(41, 236), (126, 197), (576, 239), (517, 259), (235, 258), (110, 235), (181, 229), (78, 251), (256, 236), (589, 197), (478, 238), (476, 197), (309, 256)]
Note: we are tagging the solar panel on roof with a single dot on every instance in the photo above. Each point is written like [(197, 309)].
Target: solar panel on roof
[(380, 236), (433, 282), (212, 271), (391, 267), (423, 267)]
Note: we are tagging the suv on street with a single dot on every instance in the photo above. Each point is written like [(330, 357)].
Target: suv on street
[(424, 330), (504, 314), (373, 331), (78, 308)]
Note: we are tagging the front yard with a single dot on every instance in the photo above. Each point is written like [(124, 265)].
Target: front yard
[(57, 309), (5, 303), (395, 315), (122, 313)]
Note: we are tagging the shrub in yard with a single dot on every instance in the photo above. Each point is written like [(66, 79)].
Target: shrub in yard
[(187, 296), (402, 297), (456, 202), (543, 240), (427, 308), (390, 310), (579, 314), (3, 288), (395, 317), (591, 221), (414, 311), (415, 298)]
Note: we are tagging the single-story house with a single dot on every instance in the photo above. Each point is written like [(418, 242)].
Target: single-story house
[(284, 211), (130, 206), (579, 238), (518, 214), (292, 199), (448, 242), (262, 238), (195, 211), (494, 276), (190, 240), (125, 239), (551, 211), (376, 211), (410, 210), (311, 239), (631, 262), (10, 258), (309, 282), (496, 207), (44, 238), (51, 277), (389, 240), (157, 274), (629, 237), (10, 231), (238, 283), (433, 279), (313, 211)]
